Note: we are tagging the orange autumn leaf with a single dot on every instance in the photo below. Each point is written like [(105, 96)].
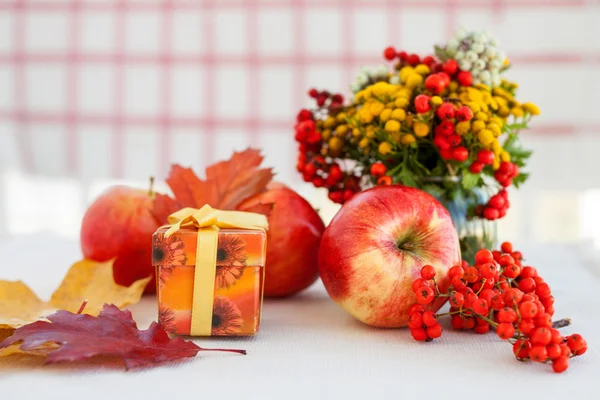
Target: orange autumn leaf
[(86, 280), (227, 184)]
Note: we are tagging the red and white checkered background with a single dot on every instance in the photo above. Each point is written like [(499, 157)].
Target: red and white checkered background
[(100, 89)]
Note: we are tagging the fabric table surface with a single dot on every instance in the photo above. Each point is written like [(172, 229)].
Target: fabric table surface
[(309, 348)]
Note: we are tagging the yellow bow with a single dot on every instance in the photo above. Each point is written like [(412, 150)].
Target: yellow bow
[(208, 221)]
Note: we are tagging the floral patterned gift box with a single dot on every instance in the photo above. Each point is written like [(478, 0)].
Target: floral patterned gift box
[(238, 268)]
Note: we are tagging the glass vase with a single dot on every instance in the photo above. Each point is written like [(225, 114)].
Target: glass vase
[(473, 233)]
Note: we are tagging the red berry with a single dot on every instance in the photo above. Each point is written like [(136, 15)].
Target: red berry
[(427, 272), (488, 270), (425, 295), (491, 213), (429, 318), (457, 322), (512, 296), (483, 256), (553, 351), (446, 111), (544, 320), (527, 285), (505, 260), (418, 283), (458, 282), (419, 334), (486, 157), (528, 272), (528, 309), (543, 290), (318, 181), (481, 329), (480, 307), (389, 53), (413, 59), (456, 270), (335, 172), (457, 299), (415, 320), (557, 337), (321, 99), (464, 113), (422, 103), (512, 271), (450, 67), (403, 56), (304, 115), (538, 353), (469, 323), (541, 336), (434, 331), (471, 274), (336, 196), (454, 141), (447, 128), (428, 60), (416, 308), (348, 194), (313, 93), (505, 331), (378, 170), (476, 167), (497, 302), (576, 342), (497, 202), (435, 84), (507, 247), (507, 315), (465, 78), (560, 364), (521, 348), (460, 154), (384, 181), (547, 301), (526, 326)]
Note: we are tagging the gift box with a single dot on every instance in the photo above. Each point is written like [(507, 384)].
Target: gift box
[(210, 272)]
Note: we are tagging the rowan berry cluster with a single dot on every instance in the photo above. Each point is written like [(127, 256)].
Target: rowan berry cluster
[(497, 293)]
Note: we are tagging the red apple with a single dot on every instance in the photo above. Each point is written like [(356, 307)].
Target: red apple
[(293, 238), (119, 224), (375, 247)]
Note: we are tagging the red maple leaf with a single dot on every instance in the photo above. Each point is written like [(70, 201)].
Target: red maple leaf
[(227, 184), (112, 333)]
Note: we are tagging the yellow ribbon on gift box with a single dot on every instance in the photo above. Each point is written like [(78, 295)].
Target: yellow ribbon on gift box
[(208, 221)]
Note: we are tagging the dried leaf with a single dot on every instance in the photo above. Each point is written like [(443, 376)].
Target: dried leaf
[(227, 184), (86, 281), (112, 333)]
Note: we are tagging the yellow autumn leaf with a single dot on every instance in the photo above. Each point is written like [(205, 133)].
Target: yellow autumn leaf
[(86, 280)]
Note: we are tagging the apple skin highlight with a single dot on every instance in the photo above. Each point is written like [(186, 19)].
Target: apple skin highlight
[(375, 247)]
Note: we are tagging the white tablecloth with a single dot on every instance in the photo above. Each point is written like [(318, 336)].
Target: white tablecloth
[(309, 348)]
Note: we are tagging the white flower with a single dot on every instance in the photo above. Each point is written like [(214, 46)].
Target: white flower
[(495, 64), (485, 76), (459, 55), (381, 70), (361, 78), (476, 81), (465, 65), (496, 80), (476, 71), (490, 52), (355, 87), (493, 42), (471, 56), (501, 56), (395, 80), (477, 37), (452, 45), (479, 64), (478, 48), (461, 33)]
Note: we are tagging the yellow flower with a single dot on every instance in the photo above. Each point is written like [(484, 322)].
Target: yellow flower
[(407, 139), (477, 126), (409, 121), (370, 132), (486, 137), (453, 86), (422, 69), (382, 89), (405, 72), (326, 134), (356, 132), (363, 95), (481, 116), (376, 108), (493, 104), (474, 106), (401, 102), (341, 130), (517, 111), (399, 114), (365, 116), (392, 126), (395, 137), (463, 127), (385, 148), (421, 129), (497, 147), (413, 81), (464, 97), (531, 108), (335, 143), (504, 156), (497, 121), (364, 143), (501, 101), (495, 129), (474, 94), (385, 115), (503, 112), (329, 122), (436, 101), (496, 164)]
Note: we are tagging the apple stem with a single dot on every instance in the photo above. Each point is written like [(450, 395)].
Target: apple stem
[(151, 189)]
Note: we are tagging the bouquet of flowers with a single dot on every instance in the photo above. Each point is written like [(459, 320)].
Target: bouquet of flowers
[(446, 123)]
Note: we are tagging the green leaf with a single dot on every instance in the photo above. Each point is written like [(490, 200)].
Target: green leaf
[(434, 190), (520, 179), (442, 53), (470, 180), (407, 178)]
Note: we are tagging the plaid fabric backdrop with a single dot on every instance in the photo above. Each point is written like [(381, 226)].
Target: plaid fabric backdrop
[(94, 89)]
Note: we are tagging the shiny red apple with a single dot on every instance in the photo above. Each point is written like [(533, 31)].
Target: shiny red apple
[(293, 239), (375, 247), (119, 224)]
